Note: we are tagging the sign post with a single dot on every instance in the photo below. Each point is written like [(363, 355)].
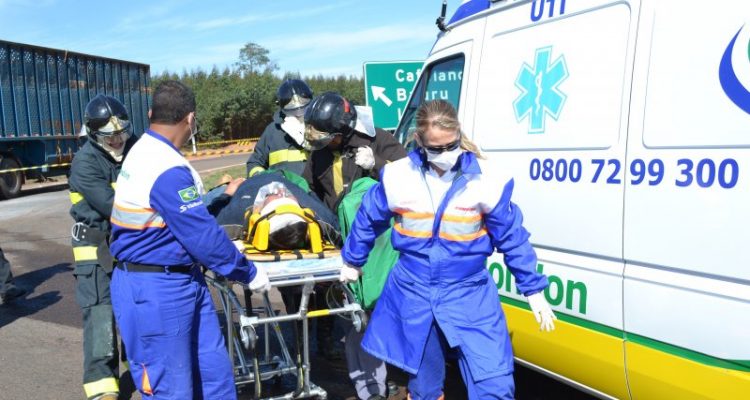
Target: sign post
[(388, 85)]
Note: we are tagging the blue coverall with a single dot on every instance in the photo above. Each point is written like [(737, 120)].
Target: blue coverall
[(441, 273), (162, 233)]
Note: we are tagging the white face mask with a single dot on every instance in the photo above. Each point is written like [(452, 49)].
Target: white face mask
[(445, 160), (114, 145), (295, 128)]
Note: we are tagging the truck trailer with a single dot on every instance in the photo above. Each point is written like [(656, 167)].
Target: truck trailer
[(43, 93)]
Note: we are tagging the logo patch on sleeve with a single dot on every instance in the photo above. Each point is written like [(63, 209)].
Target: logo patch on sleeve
[(188, 194)]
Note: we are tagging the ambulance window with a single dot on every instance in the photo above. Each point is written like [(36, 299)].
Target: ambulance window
[(408, 121), (444, 81), (439, 80)]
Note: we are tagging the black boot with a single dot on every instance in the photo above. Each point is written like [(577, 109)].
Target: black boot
[(12, 294)]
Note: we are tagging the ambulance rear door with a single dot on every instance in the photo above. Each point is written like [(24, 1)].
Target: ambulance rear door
[(687, 196), (552, 104)]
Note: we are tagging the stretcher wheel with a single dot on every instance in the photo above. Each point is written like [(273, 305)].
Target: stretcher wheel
[(360, 320), (249, 337)]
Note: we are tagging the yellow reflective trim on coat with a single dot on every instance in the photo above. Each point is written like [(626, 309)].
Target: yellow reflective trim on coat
[(338, 173), (114, 185), (106, 385), (255, 170), (286, 155), (84, 253), (75, 197)]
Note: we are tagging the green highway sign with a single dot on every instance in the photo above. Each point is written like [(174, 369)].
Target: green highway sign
[(388, 85)]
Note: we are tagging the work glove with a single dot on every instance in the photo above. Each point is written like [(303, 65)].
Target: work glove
[(542, 312), (260, 283), (364, 157), (349, 274)]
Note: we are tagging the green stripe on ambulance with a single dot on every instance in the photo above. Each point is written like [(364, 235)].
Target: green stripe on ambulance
[(571, 295)]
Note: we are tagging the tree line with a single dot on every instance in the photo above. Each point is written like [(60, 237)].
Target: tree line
[(238, 101)]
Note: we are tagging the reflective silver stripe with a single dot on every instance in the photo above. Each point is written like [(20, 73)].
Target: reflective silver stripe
[(417, 224), (136, 219), (460, 228)]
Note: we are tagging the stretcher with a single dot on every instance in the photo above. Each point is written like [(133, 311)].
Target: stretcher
[(243, 323)]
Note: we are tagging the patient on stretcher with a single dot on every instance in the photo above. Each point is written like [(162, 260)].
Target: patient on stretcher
[(273, 213)]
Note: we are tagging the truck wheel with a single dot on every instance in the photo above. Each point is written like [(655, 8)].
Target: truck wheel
[(10, 182)]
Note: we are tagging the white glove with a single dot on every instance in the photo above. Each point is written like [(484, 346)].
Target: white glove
[(364, 157), (260, 283), (349, 274), (542, 312)]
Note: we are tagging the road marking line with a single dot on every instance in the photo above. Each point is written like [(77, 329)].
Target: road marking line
[(218, 168)]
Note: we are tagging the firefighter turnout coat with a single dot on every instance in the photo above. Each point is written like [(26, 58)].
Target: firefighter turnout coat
[(276, 149)]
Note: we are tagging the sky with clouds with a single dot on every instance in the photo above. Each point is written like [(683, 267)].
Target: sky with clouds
[(310, 37)]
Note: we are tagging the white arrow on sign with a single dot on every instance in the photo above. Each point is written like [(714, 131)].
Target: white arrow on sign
[(378, 92)]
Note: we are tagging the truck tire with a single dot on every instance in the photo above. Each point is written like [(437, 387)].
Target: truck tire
[(10, 182)]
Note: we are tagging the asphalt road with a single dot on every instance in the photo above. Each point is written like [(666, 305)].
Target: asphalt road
[(40, 336), (211, 164)]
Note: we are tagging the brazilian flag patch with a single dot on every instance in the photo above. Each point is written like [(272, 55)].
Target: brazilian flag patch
[(188, 194)]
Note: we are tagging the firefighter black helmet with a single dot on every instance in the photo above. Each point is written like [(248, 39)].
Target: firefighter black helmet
[(293, 96), (331, 113), (105, 116)]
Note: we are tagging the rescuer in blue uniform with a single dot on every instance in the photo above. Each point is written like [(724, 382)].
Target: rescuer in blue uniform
[(92, 178), (162, 233), (451, 210)]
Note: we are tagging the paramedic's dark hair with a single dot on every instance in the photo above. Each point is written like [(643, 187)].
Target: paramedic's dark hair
[(172, 101), (290, 237)]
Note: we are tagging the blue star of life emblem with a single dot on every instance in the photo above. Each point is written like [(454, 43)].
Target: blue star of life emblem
[(540, 92)]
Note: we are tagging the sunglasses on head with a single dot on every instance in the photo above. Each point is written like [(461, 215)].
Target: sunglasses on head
[(443, 148)]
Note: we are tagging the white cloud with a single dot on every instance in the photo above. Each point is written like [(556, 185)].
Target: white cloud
[(226, 22), (342, 42), (145, 20), (308, 54), (253, 17), (131, 24)]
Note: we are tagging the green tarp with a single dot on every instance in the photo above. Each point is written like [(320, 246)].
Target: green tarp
[(382, 257)]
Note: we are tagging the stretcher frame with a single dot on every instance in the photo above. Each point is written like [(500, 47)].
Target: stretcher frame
[(241, 332)]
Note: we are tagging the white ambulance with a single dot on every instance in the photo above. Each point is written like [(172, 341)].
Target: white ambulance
[(627, 127)]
